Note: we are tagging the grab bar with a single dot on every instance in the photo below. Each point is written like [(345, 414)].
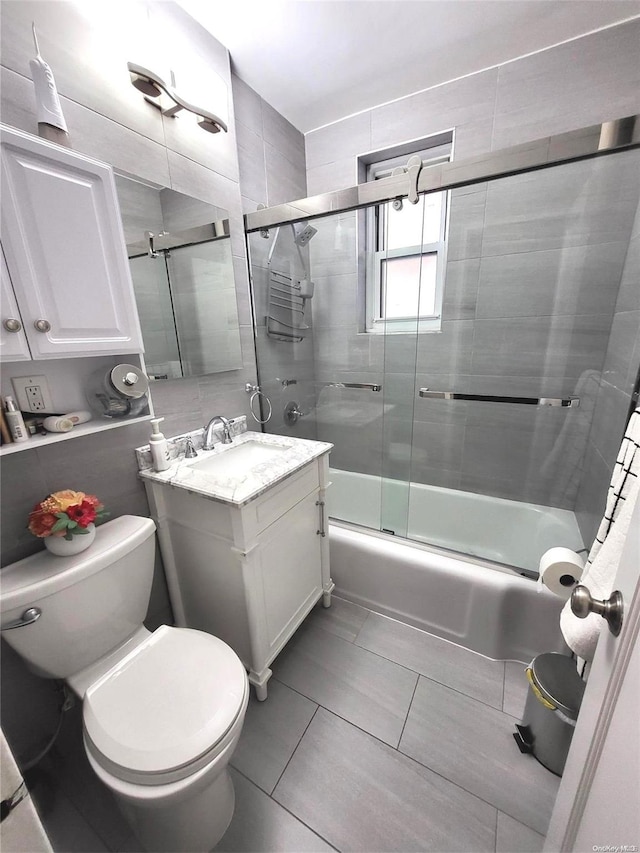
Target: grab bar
[(366, 386), (562, 402)]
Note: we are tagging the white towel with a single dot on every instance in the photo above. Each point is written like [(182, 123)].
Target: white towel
[(582, 635)]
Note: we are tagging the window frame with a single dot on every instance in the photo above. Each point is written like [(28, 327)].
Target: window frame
[(375, 321)]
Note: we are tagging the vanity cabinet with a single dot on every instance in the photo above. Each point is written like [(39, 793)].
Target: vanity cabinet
[(248, 574), (67, 275)]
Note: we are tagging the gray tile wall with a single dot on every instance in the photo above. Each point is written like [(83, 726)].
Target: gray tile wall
[(530, 287), (272, 162), (271, 151)]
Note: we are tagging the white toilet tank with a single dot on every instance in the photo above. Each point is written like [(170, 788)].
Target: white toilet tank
[(91, 602)]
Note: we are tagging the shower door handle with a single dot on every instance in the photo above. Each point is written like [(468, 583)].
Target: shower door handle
[(561, 402), (363, 386)]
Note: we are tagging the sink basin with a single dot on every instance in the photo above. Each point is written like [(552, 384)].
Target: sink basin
[(238, 460)]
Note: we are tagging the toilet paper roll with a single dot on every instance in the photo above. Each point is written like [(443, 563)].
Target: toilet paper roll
[(560, 571)]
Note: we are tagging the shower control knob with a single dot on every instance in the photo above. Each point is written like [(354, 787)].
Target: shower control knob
[(12, 325), (42, 325), (292, 413), (582, 604)]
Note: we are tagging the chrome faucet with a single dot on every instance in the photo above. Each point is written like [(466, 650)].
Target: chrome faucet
[(208, 432)]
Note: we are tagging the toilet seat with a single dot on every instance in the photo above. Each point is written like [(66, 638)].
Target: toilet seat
[(167, 708)]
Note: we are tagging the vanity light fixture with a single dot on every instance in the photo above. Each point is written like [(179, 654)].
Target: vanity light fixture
[(152, 86)]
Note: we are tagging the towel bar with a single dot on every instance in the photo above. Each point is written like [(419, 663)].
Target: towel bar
[(365, 386), (562, 402)]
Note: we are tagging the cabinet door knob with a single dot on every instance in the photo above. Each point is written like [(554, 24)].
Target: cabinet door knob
[(42, 325), (12, 325)]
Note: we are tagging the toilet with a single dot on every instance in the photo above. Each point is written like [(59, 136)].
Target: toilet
[(162, 712)]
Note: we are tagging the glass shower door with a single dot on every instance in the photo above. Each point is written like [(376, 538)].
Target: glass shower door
[(524, 399), (475, 380), (322, 375), (405, 275)]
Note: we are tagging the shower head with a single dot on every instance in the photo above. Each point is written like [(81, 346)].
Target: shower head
[(303, 233)]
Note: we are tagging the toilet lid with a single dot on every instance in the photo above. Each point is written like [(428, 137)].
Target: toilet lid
[(167, 703)]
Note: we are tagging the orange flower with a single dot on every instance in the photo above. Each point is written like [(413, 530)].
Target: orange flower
[(61, 501)]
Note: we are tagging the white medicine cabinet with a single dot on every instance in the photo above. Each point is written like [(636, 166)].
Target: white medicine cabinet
[(66, 285), (64, 248)]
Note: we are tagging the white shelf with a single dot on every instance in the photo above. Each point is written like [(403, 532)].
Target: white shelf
[(97, 425)]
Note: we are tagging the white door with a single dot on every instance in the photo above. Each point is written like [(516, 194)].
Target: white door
[(13, 342), (65, 250), (598, 802)]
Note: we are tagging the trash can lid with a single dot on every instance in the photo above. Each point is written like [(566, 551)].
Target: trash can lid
[(557, 679)]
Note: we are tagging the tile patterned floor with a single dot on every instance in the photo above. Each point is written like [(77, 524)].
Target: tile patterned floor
[(375, 737)]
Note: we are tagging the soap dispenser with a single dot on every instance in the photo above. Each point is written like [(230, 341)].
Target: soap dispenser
[(159, 447)]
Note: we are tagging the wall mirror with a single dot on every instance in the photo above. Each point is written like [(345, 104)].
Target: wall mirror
[(180, 257)]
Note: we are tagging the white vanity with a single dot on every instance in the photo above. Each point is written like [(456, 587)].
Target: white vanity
[(242, 530)]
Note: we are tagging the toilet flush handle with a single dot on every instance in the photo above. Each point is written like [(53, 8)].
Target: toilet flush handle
[(30, 615)]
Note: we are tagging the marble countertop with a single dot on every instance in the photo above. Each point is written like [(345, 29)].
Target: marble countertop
[(245, 484)]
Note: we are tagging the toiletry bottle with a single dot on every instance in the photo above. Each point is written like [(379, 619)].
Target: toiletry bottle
[(80, 417), (15, 422), (58, 424), (158, 446)]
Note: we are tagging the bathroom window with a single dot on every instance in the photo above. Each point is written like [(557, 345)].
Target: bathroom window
[(406, 254)]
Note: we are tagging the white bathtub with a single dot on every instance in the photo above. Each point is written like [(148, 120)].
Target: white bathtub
[(509, 532), (482, 606)]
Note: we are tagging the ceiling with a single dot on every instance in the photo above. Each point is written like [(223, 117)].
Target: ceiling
[(317, 61)]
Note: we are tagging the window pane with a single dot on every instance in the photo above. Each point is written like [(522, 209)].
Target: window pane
[(432, 217), (415, 224), (408, 286)]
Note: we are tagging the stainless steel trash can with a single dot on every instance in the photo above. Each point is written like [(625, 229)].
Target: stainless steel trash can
[(553, 701)]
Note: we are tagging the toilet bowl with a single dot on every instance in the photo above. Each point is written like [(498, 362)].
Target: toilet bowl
[(159, 729), (162, 711)]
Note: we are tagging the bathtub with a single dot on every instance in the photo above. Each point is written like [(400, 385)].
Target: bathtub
[(476, 603), (512, 533)]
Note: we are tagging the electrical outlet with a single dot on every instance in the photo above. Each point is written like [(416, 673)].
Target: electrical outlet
[(32, 394)]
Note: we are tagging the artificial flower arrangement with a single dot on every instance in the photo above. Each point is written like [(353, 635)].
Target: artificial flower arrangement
[(65, 513)]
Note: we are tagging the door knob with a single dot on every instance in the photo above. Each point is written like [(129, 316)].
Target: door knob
[(42, 325), (612, 609)]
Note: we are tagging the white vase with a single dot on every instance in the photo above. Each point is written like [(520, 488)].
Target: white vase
[(62, 547)]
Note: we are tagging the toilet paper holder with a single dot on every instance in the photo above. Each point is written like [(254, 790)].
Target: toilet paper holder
[(582, 604)]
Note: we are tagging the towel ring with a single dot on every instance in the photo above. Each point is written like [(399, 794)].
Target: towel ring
[(255, 392)]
